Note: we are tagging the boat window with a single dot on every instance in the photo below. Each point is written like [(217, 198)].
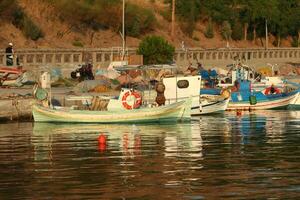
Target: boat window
[(183, 84)]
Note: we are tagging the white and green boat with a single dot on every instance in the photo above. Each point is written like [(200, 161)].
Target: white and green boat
[(115, 112)]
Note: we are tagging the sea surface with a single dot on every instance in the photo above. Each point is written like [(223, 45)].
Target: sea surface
[(230, 156)]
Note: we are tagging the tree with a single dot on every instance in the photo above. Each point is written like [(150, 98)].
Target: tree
[(209, 32), (226, 32), (156, 50), (255, 12)]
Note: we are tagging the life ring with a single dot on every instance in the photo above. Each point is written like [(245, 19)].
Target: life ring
[(268, 91), (137, 102)]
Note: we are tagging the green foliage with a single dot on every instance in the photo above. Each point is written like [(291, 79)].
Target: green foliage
[(295, 42), (31, 30), (196, 38), (209, 32), (188, 13), (77, 43), (156, 50), (103, 14), (166, 14), (138, 20), (226, 30), (6, 8), (237, 31), (26, 25)]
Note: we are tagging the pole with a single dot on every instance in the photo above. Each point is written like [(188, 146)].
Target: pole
[(266, 46), (173, 19), (123, 32)]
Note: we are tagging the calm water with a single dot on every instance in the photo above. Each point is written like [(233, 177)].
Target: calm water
[(252, 156)]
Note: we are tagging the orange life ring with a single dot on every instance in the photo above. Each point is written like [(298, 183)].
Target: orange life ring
[(268, 91), (137, 102)]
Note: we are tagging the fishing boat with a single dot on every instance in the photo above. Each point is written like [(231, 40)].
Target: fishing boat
[(113, 111), (177, 87), (248, 93)]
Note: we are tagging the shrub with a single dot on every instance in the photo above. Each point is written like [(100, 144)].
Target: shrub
[(7, 7), (209, 32), (138, 20), (226, 30), (196, 38), (156, 50), (237, 31), (77, 43), (166, 14), (295, 42), (100, 14), (26, 25)]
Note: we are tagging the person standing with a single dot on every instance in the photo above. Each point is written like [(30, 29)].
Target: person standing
[(9, 55)]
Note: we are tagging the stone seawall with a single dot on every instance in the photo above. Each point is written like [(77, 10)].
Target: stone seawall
[(68, 59)]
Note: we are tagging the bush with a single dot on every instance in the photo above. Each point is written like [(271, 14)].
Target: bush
[(156, 50), (26, 25), (31, 30), (7, 7), (196, 38), (138, 20), (295, 42), (226, 30), (77, 43), (237, 31), (166, 14), (100, 14), (209, 32)]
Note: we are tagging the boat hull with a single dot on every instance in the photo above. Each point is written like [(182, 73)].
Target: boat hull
[(210, 108), (296, 104), (276, 103), (179, 111)]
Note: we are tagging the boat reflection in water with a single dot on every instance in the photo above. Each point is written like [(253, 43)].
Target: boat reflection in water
[(239, 154), (268, 124), (184, 139)]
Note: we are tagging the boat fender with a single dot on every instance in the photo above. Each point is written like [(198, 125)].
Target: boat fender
[(137, 102), (225, 93), (275, 91)]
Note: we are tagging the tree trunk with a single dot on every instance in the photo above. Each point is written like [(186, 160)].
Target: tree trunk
[(245, 31), (278, 41), (298, 38), (227, 43), (254, 33)]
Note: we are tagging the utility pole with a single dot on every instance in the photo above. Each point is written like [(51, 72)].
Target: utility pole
[(123, 31), (173, 19), (266, 23)]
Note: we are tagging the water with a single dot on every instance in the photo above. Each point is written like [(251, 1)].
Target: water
[(250, 156)]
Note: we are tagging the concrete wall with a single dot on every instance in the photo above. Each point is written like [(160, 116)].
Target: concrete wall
[(68, 59)]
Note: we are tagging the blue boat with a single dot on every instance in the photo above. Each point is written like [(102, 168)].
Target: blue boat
[(243, 97)]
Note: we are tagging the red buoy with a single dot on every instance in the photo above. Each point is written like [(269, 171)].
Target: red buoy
[(238, 113), (102, 143), (102, 139)]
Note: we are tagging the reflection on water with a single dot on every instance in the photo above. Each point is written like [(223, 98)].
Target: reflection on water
[(253, 153)]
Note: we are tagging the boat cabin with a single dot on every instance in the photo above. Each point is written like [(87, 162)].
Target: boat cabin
[(182, 87)]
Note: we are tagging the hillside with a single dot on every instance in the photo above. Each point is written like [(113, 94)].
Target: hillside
[(58, 33)]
